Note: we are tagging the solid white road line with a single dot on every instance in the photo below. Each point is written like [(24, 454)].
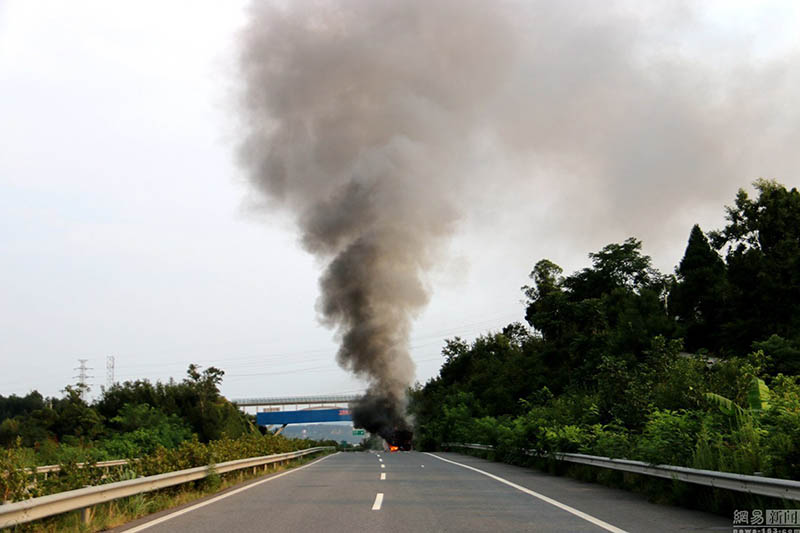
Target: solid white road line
[(383, 465), (378, 502), (551, 501), (218, 498), (383, 476), (380, 460)]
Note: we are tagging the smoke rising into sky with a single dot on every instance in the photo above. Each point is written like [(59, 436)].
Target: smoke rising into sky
[(551, 129), (357, 113), (373, 121)]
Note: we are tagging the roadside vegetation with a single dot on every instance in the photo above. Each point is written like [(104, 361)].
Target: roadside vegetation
[(698, 368), (127, 420), (121, 511), (163, 426)]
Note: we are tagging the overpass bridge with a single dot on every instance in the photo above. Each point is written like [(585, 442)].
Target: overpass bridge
[(309, 401), (321, 408)]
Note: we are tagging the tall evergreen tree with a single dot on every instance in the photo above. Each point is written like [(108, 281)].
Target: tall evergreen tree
[(697, 299)]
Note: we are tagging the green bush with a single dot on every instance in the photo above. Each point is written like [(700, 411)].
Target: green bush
[(782, 422), (609, 440), (13, 479), (669, 437)]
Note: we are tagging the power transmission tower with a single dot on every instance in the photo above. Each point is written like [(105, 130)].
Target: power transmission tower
[(110, 371), (83, 377)]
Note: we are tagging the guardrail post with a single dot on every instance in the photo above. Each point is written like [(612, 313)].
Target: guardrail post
[(86, 515)]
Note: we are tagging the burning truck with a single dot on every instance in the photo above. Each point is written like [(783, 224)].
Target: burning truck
[(382, 415), (400, 440)]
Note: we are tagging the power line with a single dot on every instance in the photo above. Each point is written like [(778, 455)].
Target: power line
[(421, 340), (429, 337), (255, 360), (257, 364), (307, 370)]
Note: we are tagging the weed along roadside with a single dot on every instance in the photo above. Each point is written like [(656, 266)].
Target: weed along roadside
[(100, 507)]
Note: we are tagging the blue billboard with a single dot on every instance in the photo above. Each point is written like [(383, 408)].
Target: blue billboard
[(279, 418)]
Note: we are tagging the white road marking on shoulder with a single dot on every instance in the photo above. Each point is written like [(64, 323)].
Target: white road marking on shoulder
[(383, 465), (380, 460), (378, 502), (164, 518), (422, 466), (551, 501), (383, 476)]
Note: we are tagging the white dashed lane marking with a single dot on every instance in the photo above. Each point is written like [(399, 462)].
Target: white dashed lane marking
[(383, 476), (378, 502)]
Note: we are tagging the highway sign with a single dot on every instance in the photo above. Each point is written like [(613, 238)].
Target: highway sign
[(357, 432)]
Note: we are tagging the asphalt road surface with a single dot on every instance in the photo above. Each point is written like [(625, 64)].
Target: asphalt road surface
[(411, 491)]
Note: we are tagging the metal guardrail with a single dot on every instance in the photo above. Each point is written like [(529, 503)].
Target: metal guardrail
[(470, 446), (28, 510), (763, 486), (46, 469)]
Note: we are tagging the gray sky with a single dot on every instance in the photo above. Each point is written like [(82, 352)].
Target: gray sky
[(127, 229)]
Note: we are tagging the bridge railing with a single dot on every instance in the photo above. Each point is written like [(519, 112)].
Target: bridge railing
[(12, 514), (777, 488), (297, 400)]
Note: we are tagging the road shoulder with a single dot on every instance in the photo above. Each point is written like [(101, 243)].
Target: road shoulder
[(626, 510)]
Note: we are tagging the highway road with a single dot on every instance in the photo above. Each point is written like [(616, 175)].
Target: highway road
[(411, 491)]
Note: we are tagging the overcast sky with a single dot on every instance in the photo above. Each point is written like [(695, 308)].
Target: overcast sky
[(127, 229)]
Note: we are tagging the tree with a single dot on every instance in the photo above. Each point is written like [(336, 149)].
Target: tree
[(15, 405), (614, 266), (546, 300), (784, 356), (697, 299), (207, 381), (142, 428), (762, 243), (196, 400), (74, 417), (612, 308)]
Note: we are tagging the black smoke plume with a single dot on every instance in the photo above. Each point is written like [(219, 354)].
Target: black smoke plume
[(355, 113), (375, 121), (379, 415)]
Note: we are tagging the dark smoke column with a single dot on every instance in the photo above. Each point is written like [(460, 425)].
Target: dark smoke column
[(355, 117)]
